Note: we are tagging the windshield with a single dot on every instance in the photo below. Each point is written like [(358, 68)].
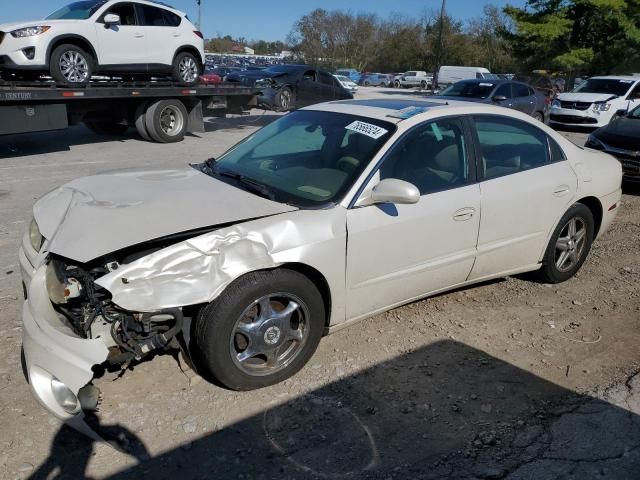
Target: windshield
[(469, 90), (306, 158), (604, 85), (77, 10)]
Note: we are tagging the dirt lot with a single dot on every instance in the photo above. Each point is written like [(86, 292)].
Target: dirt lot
[(511, 379)]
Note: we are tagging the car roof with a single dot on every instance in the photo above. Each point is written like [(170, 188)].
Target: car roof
[(615, 77), (398, 109)]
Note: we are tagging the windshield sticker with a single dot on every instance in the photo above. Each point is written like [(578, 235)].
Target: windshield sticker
[(408, 112), (367, 129), (436, 131)]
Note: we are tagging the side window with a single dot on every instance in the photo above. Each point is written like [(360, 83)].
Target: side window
[(126, 12), (309, 75), (509, 146), (520, 90), (503, 90), (433, 157), (635, 93), (479, 76), (326, 79), (557, 155), (158, 17)]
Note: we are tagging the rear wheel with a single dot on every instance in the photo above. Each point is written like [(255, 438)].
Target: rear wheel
[(423, 85), (186, 68), (538, 116), (569, 246), (140, 120), (71, 64), (166, 121), (261, 330)]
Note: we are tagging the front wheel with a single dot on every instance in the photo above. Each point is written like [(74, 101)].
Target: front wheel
[(262, 330), (186, 68), (71, 64), (538, 116), (285, 100), (569, 246)]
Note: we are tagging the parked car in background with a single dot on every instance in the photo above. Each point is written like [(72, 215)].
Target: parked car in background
[(505, 93), (413, 78), (107, 37), (596, 101), (350, 73), (448, 75), (325, 217), (377, 80), (287, 87), (347, 83), (222, 71), (621, 138)]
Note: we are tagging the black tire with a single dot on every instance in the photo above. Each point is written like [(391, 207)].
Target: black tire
[(538, 116), (105, 127), (186, 68), (217, 339), (84, 61), (397, 84), (367, 84), (550, 271), (423, 85), (140, 121), (285, 100), (167, 121)]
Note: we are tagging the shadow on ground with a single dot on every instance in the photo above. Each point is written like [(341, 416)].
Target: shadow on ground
[(27, 144), (444, 411)]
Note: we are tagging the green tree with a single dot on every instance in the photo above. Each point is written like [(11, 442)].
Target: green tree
[(586, 36)]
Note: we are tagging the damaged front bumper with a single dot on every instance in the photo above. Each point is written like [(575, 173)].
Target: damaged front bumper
[(55, 358)]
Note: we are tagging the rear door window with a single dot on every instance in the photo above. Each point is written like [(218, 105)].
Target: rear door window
[(520, 90), (158, 17)]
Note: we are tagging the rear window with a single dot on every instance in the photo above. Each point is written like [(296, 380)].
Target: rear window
[(468, 89)]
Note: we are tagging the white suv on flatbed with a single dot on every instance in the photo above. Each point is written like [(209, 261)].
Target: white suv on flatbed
[(105, 36), (596, 101)]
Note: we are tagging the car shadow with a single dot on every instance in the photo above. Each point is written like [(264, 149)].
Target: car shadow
[(443, 411), (240, 122), (27, 144)]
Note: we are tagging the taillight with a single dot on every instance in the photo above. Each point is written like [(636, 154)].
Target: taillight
[(199, 34)]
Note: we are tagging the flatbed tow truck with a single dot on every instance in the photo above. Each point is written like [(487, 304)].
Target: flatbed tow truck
[(161, 111)]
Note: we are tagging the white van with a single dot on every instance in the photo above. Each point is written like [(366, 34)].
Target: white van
[(449, 75)]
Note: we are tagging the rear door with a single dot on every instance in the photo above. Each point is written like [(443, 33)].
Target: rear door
[(523, 98), (309, 91), (161, 34), (526, 186)]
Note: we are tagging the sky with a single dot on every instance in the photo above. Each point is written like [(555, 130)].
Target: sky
[(264, 20)]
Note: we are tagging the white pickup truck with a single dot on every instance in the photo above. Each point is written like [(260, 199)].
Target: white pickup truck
[(413, 78)]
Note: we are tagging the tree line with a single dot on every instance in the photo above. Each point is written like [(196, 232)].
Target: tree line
[(568, 36)]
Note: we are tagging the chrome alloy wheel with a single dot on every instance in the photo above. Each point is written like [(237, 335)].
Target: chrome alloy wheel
[(171, 121), (270, 334), (188, 69), (570, 244), (285, 100), (73, 66)]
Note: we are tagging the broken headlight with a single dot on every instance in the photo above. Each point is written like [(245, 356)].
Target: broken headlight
[(35, 237)]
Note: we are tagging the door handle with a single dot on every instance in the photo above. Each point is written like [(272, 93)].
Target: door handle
[(176, 35), (561, 190), (139, 35), (464, 214)]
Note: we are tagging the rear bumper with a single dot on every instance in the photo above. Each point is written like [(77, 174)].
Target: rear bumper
[(610, 206)]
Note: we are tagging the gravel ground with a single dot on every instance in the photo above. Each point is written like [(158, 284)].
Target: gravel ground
[(511, 379)]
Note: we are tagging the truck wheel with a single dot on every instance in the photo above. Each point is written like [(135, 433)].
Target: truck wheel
[(423, 85), (105, 127), (262, 330), (140, 121), (285, 100), (71, 64), (166, 121), (186, 68)]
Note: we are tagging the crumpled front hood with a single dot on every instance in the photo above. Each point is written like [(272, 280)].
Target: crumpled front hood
[(93, 216), (585, 97)]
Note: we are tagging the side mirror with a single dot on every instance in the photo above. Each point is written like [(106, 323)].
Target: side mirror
[(499, 98), (111, 19), (392, 190)]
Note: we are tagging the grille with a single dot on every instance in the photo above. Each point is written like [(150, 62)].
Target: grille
[(573, 119), (629, 164), (575, 105)]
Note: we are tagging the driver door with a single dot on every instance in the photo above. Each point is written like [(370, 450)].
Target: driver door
[(120, 44), (397, 253)]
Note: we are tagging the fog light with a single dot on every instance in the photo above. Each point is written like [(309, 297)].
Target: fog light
[(29, 52), (64, 396)]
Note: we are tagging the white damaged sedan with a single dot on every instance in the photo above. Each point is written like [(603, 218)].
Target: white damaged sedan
[(326, 216)]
